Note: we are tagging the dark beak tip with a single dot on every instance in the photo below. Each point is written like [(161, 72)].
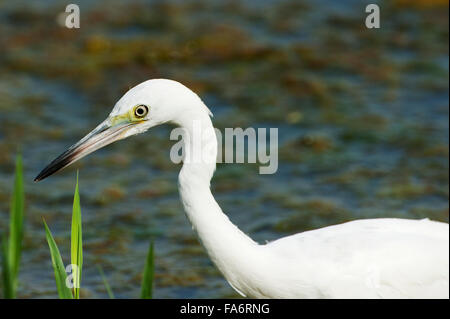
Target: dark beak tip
[(38, 178)]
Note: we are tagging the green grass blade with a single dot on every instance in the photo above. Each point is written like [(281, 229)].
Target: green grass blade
[(105, 283), (58, 266), (8, 292), (147, 279), (12, 248), (76, 242), (16, 219)]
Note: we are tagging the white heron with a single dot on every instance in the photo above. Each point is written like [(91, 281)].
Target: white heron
[(370, 258)]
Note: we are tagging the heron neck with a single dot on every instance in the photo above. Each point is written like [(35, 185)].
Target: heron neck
[(227, 245)]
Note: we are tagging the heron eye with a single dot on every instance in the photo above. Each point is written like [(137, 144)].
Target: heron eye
[(140, 111)]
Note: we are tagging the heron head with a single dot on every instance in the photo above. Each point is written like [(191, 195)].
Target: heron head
[(144, 106)]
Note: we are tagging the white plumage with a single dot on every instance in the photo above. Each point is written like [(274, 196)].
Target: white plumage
[(373, 258)]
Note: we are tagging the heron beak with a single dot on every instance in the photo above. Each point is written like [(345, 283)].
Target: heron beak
[(104, 134)]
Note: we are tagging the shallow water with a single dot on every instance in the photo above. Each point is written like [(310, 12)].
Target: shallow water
[(362, 117)]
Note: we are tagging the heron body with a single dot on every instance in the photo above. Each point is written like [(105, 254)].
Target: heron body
[(371, 258)]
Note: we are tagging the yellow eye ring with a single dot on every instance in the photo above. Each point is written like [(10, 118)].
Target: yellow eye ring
[(140, 111)]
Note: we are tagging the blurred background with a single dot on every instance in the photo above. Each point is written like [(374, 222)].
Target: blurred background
[(362, 117)]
